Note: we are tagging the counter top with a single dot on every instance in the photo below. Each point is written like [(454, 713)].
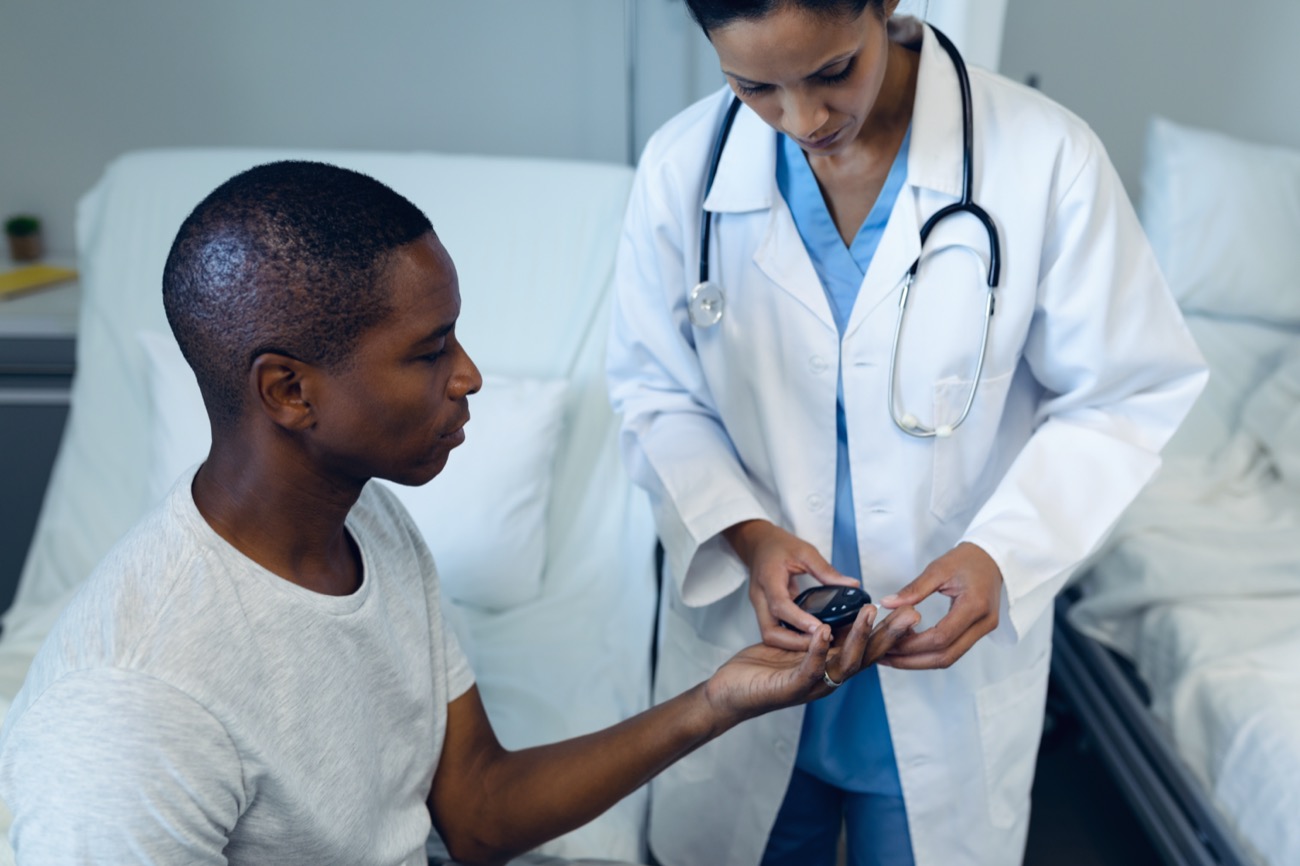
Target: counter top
[(43, 313)]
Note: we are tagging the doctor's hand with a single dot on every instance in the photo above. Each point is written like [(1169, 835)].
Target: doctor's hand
[(762, 678), (968, 576), (774, 558)]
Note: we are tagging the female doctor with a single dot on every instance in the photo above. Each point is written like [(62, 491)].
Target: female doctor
[(790, 428)]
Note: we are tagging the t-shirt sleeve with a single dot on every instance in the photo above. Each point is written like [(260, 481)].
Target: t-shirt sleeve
[(460, 676), (112, 766)]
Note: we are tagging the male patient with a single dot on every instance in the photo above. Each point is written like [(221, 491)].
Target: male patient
[(259, 671)]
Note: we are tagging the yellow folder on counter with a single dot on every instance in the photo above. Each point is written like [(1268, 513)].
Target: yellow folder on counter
[(32, 277)]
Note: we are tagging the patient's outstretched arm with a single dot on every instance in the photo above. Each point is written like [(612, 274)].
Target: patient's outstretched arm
[(490, 804)]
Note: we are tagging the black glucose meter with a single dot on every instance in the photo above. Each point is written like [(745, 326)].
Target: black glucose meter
[(833, 605)]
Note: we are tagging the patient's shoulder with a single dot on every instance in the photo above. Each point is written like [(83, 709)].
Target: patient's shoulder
[(126, 598)]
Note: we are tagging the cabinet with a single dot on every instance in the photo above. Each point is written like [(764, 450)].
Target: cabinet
[(37, 360)]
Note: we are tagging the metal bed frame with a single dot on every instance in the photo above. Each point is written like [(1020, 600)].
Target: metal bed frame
[(1112, 706)]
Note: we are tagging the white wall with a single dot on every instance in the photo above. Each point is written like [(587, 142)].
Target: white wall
[(85, 81), (1225, 64)]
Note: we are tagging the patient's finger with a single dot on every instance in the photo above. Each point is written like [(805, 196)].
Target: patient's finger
[(814, 659), (847, 660)]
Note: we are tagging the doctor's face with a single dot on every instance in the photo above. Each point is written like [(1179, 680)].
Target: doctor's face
[(815, 77)]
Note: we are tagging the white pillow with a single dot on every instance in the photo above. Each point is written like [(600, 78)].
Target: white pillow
[(484, 517), (1223, 216)]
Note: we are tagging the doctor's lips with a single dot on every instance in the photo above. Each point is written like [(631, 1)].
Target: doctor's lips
[(819, 143)]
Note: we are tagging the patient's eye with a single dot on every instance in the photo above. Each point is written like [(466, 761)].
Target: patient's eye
[(435, 352)]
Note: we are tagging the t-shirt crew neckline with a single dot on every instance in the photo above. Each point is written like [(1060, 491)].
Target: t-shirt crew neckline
[(182, 497)]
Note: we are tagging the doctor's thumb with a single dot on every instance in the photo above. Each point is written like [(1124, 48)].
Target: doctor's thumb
[(915, 592), (827, 574)]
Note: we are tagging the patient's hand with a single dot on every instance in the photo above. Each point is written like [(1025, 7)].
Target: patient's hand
[(762, 677)]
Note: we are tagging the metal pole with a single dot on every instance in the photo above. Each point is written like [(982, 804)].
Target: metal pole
[(630, 53)]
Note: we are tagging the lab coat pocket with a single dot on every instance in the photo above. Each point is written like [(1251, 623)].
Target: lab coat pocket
[(964, 460), (1010, 724)]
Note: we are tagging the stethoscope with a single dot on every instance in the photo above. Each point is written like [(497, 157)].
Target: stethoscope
[(707, 302)]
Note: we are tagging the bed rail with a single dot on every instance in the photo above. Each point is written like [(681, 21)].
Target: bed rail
[(1170, 804)]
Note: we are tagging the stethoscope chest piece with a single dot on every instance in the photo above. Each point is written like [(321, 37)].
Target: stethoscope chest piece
[(705, 305)]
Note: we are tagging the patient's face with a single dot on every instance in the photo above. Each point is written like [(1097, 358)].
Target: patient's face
[(399, 407)]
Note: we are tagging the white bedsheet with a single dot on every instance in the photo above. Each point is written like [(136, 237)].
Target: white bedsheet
[(1200, 588)]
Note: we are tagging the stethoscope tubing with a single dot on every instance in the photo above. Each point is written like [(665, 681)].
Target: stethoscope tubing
[(710, 300), (714, 160)]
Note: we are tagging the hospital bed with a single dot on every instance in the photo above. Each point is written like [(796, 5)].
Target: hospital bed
[(1179, 646), (545, 549)]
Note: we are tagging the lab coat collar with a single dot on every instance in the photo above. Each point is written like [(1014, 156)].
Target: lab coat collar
[(934, 158), (746, 179)]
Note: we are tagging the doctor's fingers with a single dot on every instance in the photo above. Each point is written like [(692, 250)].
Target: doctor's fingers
[(773, 607), (812, 562), (947, 641), (772, 588), (787, 552), (882, 640), (936, 575)]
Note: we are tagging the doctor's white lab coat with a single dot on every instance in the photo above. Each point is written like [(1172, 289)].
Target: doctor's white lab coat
[(1089, 371)]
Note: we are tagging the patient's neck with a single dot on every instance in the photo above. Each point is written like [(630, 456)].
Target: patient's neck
[(272, 505)]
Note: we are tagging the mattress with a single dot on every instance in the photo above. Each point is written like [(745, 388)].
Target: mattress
[(1225, 682), (1199, 586)]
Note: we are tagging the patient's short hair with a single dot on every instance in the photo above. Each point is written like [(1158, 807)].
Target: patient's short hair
[(287, 257)]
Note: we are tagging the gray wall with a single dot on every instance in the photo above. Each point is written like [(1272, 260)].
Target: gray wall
[(1230, 66), (85, 81)]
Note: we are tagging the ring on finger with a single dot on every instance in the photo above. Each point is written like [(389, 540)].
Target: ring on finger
[(826, 678)]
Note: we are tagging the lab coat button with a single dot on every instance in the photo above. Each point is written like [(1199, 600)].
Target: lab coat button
[(818, 364), (815, 502)]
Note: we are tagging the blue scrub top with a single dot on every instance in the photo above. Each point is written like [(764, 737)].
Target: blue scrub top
[(845, 739)]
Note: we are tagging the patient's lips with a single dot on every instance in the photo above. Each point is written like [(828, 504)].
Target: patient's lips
[(456, 435)]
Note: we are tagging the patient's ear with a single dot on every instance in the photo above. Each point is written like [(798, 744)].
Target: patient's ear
[(278, 381)]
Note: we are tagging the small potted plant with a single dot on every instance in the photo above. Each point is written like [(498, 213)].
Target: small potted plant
[(24, 234)]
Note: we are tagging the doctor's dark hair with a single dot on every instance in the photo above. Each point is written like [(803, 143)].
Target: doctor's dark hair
[(714, 14), (288, 257)]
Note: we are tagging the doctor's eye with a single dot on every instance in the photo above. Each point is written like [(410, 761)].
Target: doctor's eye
[(842, 75), (746, 89)]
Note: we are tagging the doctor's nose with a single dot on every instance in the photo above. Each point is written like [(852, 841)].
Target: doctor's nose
[(803, 118)]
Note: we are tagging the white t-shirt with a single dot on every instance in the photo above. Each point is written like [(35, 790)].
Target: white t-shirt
[(192, 707)]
